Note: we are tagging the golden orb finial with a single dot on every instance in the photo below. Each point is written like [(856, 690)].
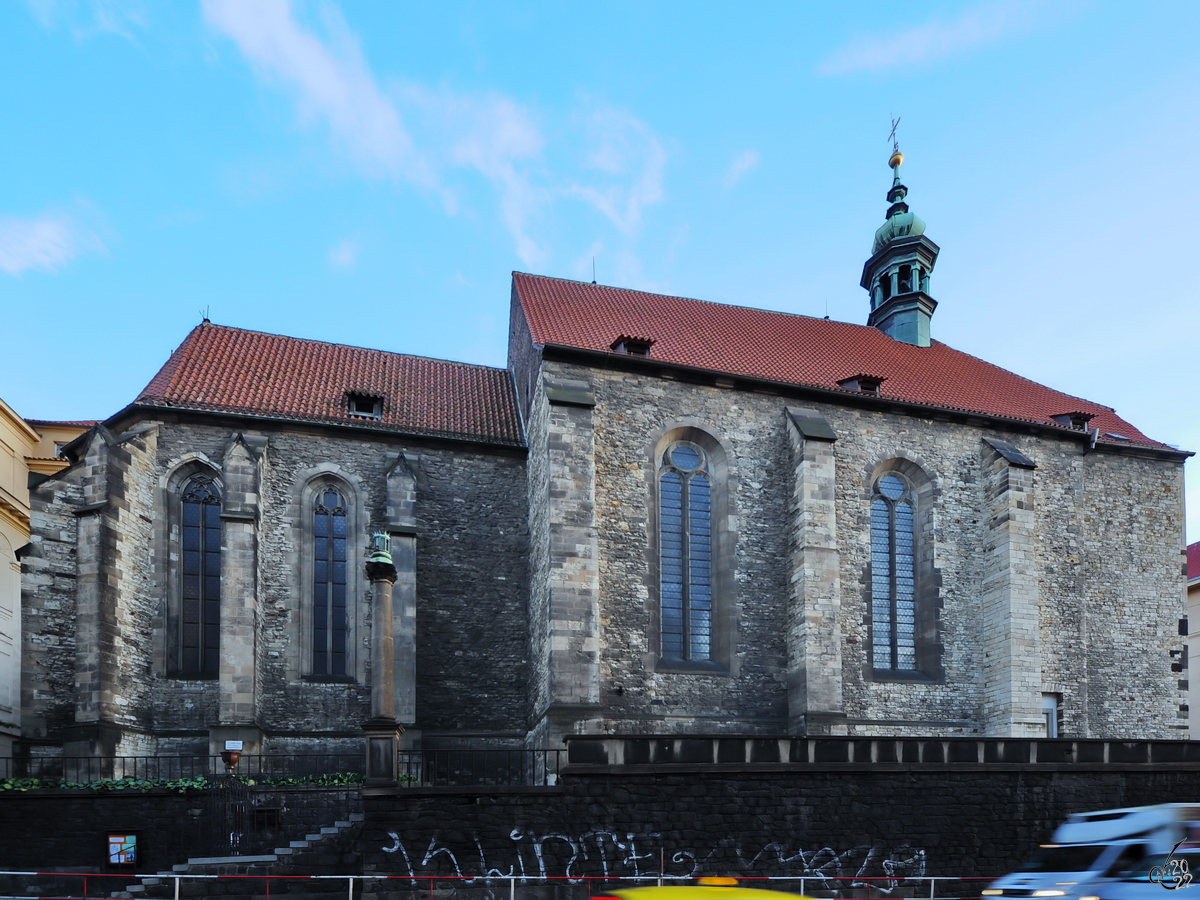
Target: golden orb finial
[(897, 160)]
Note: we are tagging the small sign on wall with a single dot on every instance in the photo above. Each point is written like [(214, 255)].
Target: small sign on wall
[(122, 849)]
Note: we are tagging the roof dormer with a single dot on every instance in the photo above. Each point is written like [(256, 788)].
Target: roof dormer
[(1077, 420), (364, 406), (868, 384), (632, 346)]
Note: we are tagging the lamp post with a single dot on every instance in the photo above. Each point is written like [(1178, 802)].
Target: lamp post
[(382, 731)]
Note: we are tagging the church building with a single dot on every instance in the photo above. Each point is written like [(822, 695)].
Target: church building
[(665, 516)]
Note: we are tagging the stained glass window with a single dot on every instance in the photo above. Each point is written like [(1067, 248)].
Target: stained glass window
[(330, 629), (685, 553), (893, 575), (200, 607)]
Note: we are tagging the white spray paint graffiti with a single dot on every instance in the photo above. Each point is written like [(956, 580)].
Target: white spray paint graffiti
[(610, 854)]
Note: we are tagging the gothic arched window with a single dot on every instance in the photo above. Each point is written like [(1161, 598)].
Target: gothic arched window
[(685, 553), (893, 575), (330, 622), (200, 576)]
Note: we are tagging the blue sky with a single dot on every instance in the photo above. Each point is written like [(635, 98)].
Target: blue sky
[(371, 172)]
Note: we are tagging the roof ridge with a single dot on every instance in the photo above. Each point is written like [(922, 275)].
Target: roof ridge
[(304, 340), (773, 312)]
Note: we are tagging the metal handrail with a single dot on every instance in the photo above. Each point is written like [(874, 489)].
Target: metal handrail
[(178, 768), (356, 885), (487, 767), (491, 767)]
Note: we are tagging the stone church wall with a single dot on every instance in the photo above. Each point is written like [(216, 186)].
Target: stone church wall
[(632, 413), (1100, 557), (472, 589), (1111, 551), (472, 655), (472, 645)]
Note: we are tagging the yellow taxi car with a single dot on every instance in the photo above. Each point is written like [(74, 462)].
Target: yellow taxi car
[(701, 889)]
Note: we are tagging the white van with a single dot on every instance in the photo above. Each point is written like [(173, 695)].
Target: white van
[(1090, 850)]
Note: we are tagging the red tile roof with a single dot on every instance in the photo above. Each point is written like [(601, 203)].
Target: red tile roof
[(1193, 560), (794, 349), (221, 369)]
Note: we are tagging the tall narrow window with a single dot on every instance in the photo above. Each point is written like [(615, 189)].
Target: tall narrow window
[(685, 553), (893, 575), (200, 595), (330, 629), (1050, 714)]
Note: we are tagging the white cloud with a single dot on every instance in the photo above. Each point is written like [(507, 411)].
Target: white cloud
[(344, 254), (85, 18), (497, 138), (331, 80), (46, 243), (744, 162), (630, 153), (423, 136), (934, 40)]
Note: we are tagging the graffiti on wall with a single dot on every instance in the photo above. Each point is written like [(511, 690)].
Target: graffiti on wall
[(610, 854)]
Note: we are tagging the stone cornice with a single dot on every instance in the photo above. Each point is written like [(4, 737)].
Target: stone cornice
[(48, 466), (13, 515), (166, 413)]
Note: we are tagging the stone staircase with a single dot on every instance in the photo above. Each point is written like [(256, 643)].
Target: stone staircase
[(317, 853)]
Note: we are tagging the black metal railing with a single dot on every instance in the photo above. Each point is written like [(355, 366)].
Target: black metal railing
[(654, 750), (490, 767), (297, 768)]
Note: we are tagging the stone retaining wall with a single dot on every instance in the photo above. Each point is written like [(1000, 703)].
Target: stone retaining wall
[(814, 819)]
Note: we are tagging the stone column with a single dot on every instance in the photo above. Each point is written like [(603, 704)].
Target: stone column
[(383, 734), (382, 575), (814, 633), (574, 575), (237, 682), (402, 529), (1012, 666)]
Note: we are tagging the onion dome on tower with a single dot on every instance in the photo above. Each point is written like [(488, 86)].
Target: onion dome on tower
[(897, 274)]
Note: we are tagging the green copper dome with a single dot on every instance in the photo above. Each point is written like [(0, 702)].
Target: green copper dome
[(902, 224)]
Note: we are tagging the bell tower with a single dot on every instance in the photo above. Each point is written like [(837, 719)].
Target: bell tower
[(897, 274)]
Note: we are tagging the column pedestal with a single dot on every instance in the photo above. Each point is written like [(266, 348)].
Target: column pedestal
[(383, 752)]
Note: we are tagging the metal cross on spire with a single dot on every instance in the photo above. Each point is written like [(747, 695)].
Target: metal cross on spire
[(892, 136)]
